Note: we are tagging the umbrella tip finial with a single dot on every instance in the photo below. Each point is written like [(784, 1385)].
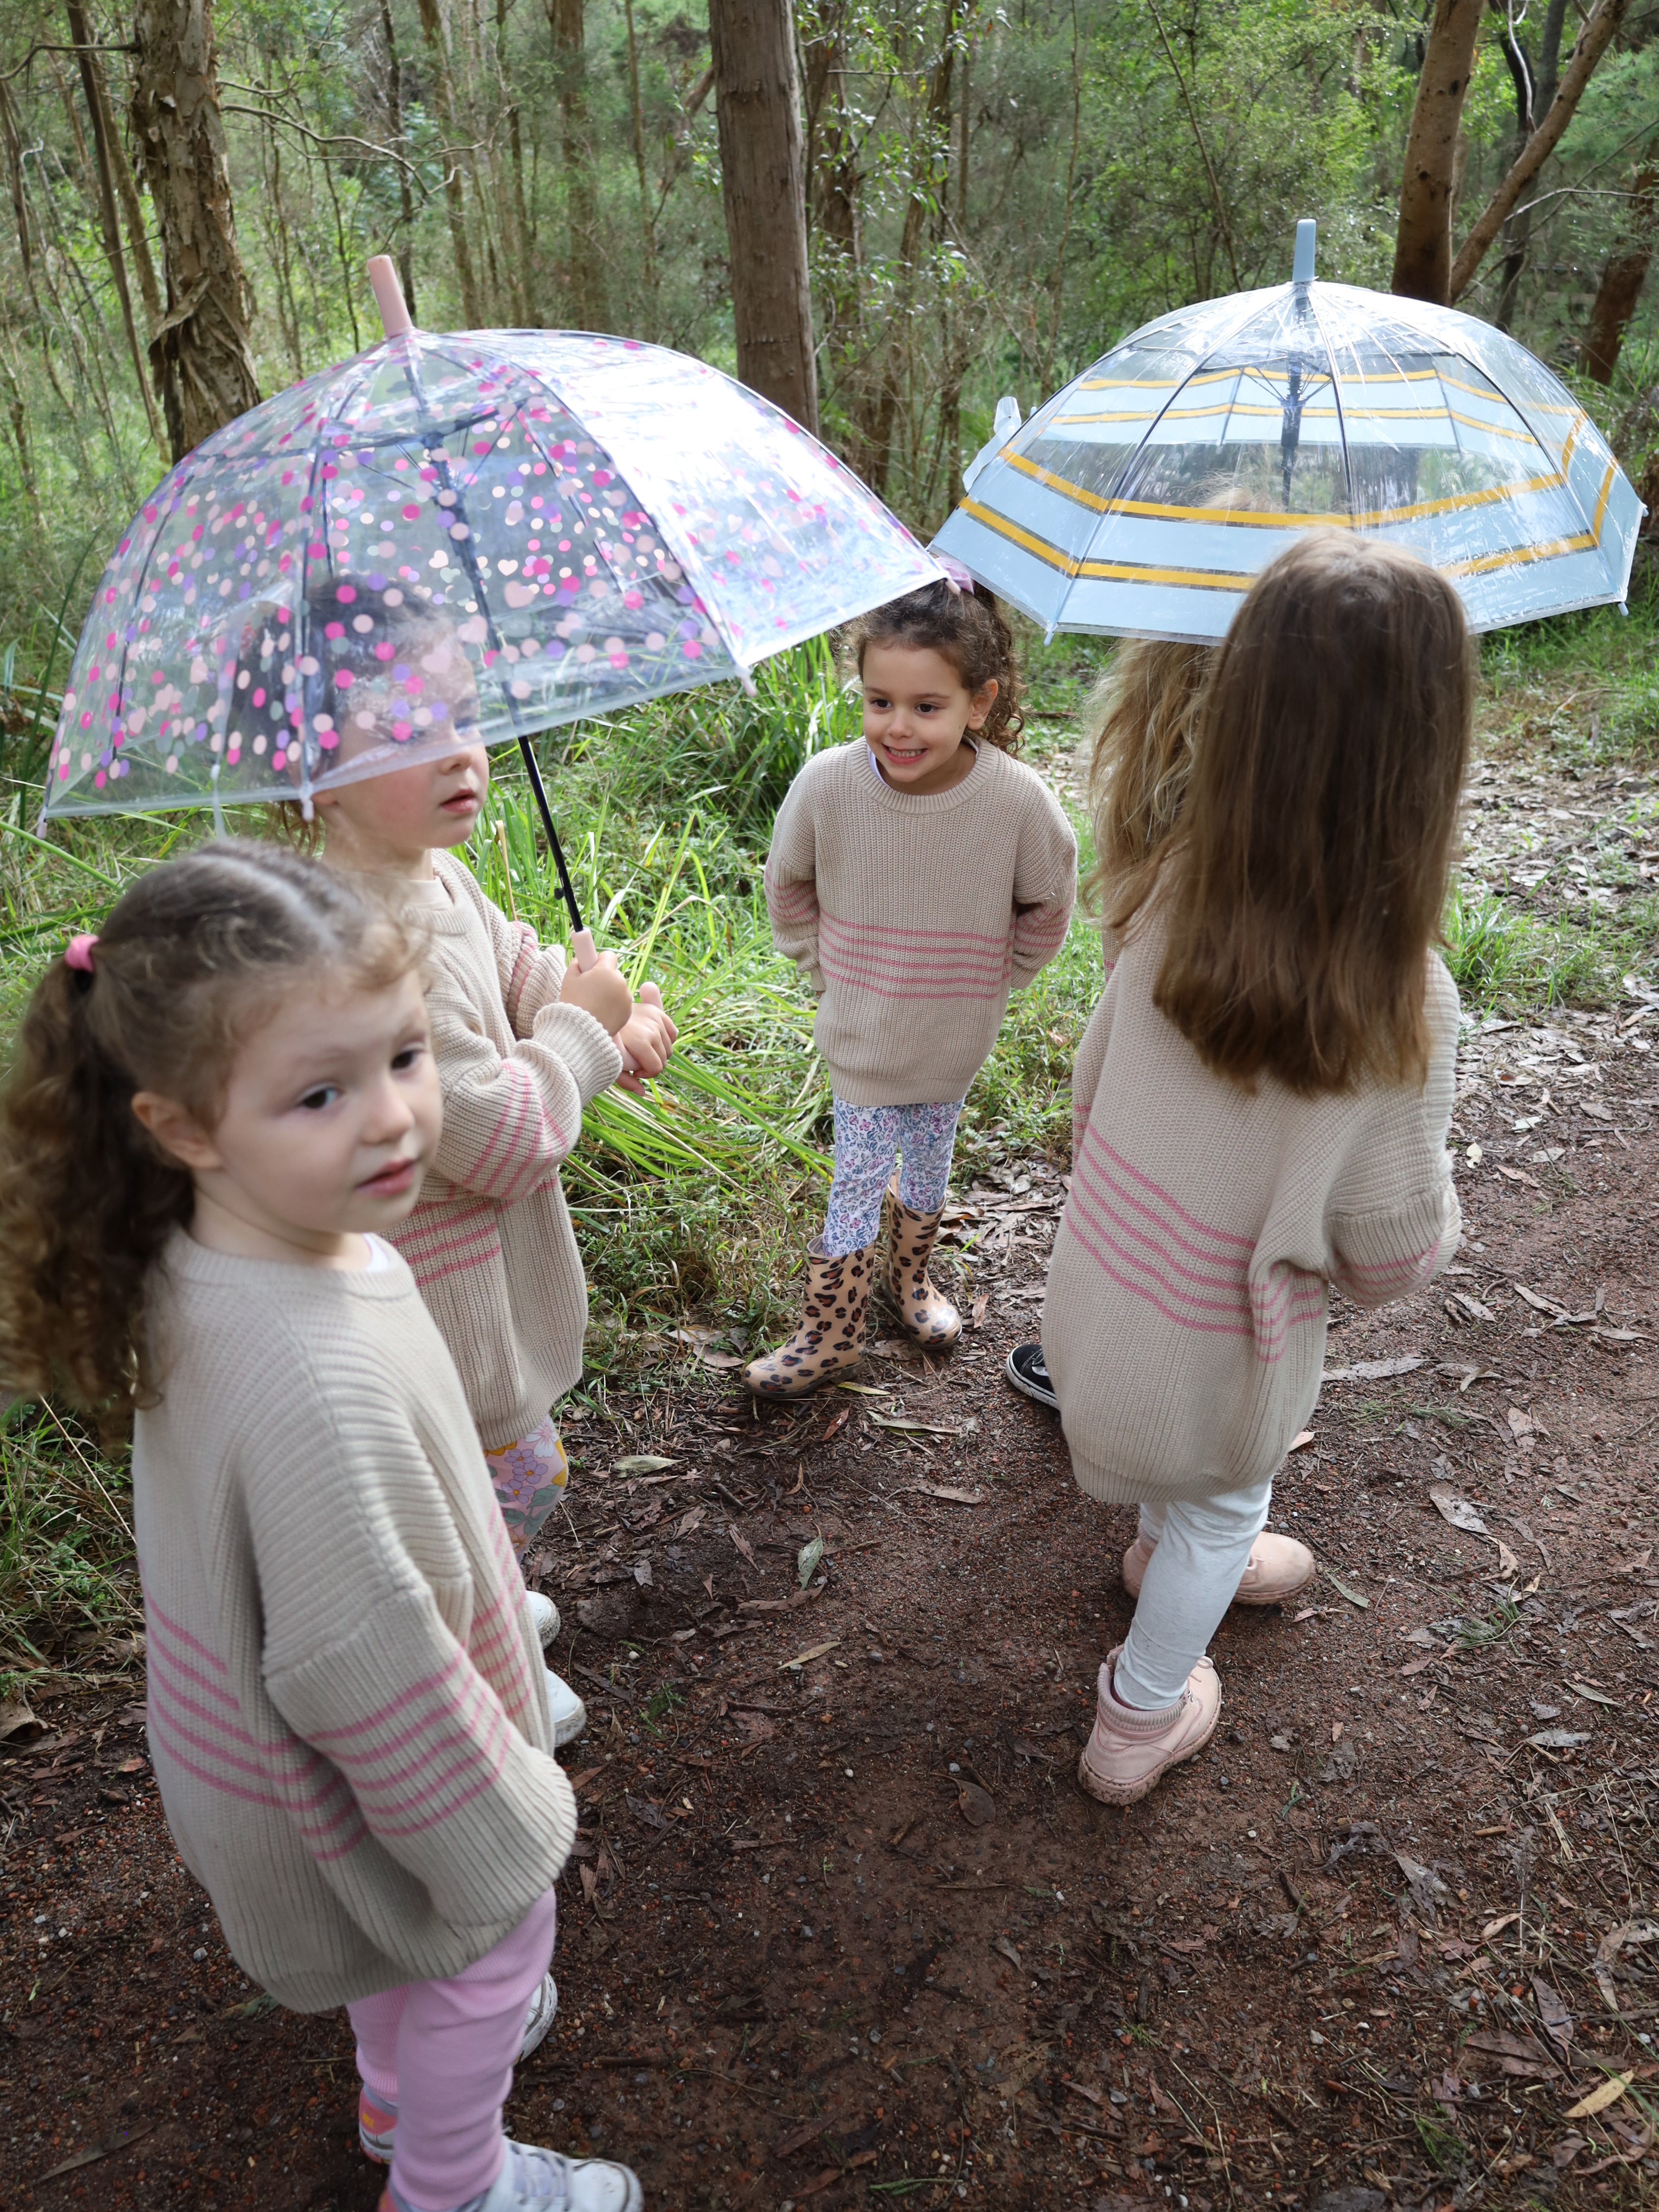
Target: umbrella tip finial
[(388, 294), (1302, 268)]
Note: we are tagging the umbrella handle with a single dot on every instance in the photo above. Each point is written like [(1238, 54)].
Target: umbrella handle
[(389, 294), (586, 954)]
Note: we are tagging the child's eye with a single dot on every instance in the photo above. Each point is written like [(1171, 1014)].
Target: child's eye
[(411, 1056), (315, 1101)]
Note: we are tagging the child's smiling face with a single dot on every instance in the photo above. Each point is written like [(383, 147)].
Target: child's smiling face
[(917, 711)]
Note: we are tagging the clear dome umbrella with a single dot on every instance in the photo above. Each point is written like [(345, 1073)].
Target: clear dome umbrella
[(1144, 498), (473, 536)]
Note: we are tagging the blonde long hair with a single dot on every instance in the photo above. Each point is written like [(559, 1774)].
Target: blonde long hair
[(1141, 714)]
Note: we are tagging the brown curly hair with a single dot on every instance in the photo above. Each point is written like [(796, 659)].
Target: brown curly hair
[(189, 959), (968, 629)]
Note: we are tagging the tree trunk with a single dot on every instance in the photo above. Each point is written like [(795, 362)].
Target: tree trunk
[(589, 306), (109, 221), (1422, 250), (637, 111), (757, 104), (1621, 285), (1592, 43), (200, 354), (394, 105), (432, 28)]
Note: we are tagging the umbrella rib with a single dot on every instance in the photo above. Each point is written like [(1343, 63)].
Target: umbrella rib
[(1336, 395)]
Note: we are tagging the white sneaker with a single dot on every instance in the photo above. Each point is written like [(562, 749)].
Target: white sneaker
[(535, 2180), (564, 1709), (545, 1615), (544, 2009)]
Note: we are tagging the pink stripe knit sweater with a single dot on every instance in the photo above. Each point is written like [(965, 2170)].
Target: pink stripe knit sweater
[(915, 917), (1185, 1319), (490, 1241), (345, 1706)]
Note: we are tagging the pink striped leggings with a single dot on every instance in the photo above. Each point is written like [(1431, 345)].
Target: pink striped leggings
[(439, 2055)]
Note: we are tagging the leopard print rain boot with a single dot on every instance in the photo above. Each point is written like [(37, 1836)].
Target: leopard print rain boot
[(830, 1338), (924, 1312)]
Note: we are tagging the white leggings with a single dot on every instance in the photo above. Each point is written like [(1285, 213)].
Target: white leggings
[(1202, 1548)]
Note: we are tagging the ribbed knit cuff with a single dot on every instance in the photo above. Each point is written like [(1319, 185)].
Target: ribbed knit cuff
[(591, 1054)]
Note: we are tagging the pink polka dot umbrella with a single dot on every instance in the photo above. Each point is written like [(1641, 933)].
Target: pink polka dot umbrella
[(463, 539)]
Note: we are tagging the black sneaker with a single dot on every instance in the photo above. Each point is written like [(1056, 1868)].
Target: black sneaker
[(1027, 1370)]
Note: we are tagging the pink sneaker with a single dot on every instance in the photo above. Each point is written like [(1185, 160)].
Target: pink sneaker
[(1129, 1752), (1277, 1569)]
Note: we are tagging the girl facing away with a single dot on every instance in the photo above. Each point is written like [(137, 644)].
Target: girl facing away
[(1261, 1106), (522, 1040), (916, 877), (219, 1109), (1138, 722)]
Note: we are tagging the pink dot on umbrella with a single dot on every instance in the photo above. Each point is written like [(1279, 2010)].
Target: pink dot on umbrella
[(333, 629), (316, 548), (99, 779), (481, 445), (328, 739), (346, 594), (602, 475), (401, 730), (279, 758), (64, 769), (259, 696), (384, 651), (344, 678), (691, 650), (633, 599), (410, 512), (150, 515), (123, 544), (86, 721)]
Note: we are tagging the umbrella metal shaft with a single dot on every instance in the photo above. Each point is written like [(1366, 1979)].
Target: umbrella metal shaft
[(567, 888)]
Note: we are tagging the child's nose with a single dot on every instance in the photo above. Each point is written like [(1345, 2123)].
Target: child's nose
[(389, 1115)]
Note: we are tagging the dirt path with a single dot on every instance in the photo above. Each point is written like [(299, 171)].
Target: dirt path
[(842, 1929)]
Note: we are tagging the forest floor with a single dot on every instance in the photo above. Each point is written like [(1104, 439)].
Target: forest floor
[(841, 1930)]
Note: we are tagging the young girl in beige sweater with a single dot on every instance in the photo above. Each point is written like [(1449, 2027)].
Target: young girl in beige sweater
[(522, 1041), (219, 1109), (916, 876), (1260, 1104)]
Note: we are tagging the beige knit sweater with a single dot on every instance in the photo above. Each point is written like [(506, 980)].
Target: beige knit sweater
[(914, 917), (346, 1713), (490, 1241), (1185, 1319)]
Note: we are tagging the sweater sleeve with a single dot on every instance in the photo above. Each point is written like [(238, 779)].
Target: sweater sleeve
[(510, 1119), (406, 1741), (1045, 889), (1393, 1221), (791, 892)]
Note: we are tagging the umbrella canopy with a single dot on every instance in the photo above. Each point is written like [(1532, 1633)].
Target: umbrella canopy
[(484, 535), (1144, 498)]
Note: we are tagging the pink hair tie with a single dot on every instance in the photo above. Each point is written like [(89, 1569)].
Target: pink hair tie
[(956, 575), (78, 953)]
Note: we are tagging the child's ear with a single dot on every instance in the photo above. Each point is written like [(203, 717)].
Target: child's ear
[(176, 1130), (984, 699)]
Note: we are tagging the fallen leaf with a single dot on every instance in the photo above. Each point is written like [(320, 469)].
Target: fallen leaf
[(1296, 1442), (93, 2152), (1461, 1307), (864, 1389), (1523, 2050), (1348, 1590), (1558, 1739), (949, 1493), (692, 1520), (722, 1359), (1520, 1424), (15, 1714), (1415, 1668), (1310, 1613), (1009, 1953), (640, 1463), (1598, 2100), (1520, 1174), (837, 1425), (1081, 2089), (980, 1303), (1507, 1562), (812, 1651), (808, 1561), (756, 1727), (590, 1883), (751, 1606), (746, 1549), (1457, 1511), (976, 1806), (1552, 2012), (1539, 1304), (1595, 1697), (1497, 1927), (588, 1774), (1422, 1637), (642, 1573), (1595, 1109), (1373, 1370)]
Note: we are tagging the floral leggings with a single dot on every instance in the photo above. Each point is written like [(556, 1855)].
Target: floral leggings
[(868, 1139), (529, 1479)]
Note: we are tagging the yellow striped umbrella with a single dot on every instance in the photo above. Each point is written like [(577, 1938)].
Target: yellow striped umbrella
[(1144, 499)]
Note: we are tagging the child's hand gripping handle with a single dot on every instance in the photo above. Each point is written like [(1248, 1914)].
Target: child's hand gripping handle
[(587, 957)]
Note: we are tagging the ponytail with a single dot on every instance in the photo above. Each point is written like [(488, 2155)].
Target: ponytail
[(189, 959)]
